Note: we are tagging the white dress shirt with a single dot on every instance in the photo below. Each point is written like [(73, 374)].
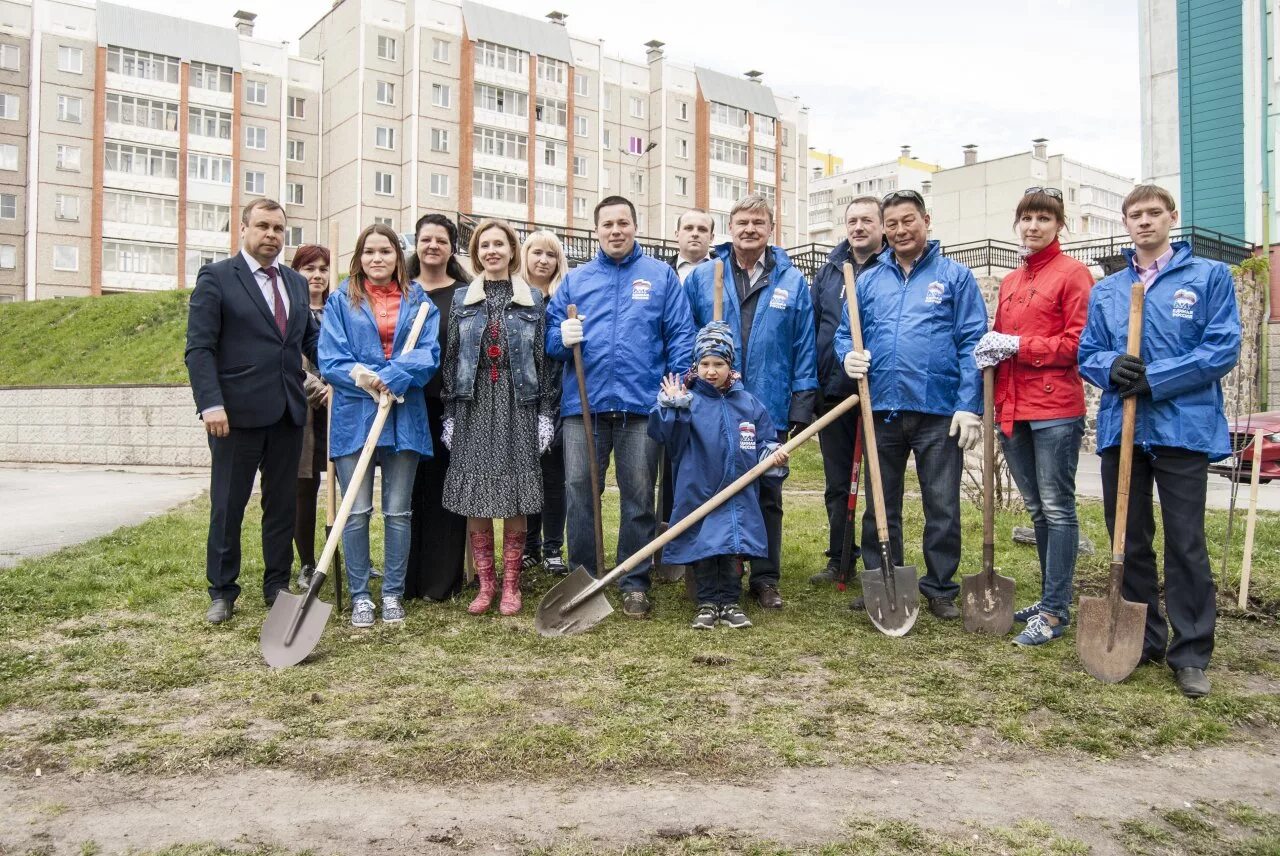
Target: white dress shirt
[(269, 293)]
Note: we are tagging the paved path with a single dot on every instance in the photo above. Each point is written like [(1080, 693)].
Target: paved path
[(1089, 483), (46, 508)]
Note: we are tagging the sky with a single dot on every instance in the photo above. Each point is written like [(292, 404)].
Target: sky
[(932, 74)]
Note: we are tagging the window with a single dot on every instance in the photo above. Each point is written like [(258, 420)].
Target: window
[(293, 236), (384, 137), (500, 57), (294, 150), (207, 217), (439, 95), (554, 154), (8, 156), (8, 106), (682, 110), (727, 151), (255, 92), (786, 136), (209, 168), (66, 257), (502, 100), (70, 109), (553, 112), (682, 185), (439, 184), (66, 207), (255, 182), (382, 183), (581, 84), (146, 113), (606, 99), (552, 70), (581, 126), (201, 121), (769, 192), (726, 115), (143, 64), (140, 160), (386, 47), (548, 195), (765, 161), (8, 206), (580, 207), (682, 148), (500, 188), (384, 221), (10, 57), (439, 140), (502, 144), (732, 189), (255, 137), (386, 92), (121, 257), (8, 256), (636, 107), (579, 166), (141, 210), (70, 59), (637, 182), (439, 50), (197, 259), (786, 207), (765, 125), (297, 107), (606, 177), (214, 78), (293, 193), (635, 145), (607, 140)]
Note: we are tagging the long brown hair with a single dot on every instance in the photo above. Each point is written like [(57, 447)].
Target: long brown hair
[(356, 277)]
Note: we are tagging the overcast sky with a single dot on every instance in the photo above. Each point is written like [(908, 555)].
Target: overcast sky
[(933, 74)]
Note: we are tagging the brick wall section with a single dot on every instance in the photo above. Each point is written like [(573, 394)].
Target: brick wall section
[(113, 425), (702, 153)]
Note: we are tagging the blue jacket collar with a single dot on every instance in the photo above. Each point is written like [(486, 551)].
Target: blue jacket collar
[(603, 258), (1181, 255), (840, 254), (701, 387), (931, 249), (781, 261)]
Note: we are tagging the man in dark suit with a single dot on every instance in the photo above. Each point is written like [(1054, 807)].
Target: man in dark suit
[(247, 330)]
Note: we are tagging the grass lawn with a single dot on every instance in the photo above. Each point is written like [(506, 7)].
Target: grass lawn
[(107, 664)]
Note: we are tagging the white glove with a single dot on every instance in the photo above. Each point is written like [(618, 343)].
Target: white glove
[(546, 431), (446, 434), (856, 365), (571, 331), (968, 426), (994, 348), (365, 379)]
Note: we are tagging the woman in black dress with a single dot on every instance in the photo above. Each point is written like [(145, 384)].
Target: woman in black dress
[(312, 261), (438, 536)]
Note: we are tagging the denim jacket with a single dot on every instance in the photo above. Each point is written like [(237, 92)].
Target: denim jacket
[(524, 323)]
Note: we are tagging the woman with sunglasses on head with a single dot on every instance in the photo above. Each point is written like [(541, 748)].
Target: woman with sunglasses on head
[(312, 261), (1039, 398), (439, 536)]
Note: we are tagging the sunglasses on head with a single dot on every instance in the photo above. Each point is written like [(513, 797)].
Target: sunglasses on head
[(899, 195), (1047, 191)]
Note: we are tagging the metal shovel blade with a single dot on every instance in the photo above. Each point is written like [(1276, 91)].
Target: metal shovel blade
[(892, 616), (1110, 642), (552, 619), (275, 650), (986, 602)]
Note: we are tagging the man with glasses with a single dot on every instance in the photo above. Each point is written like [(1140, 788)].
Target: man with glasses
[(922, 315)]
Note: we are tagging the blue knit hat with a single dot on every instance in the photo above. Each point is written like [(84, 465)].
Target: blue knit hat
[(714, 340)]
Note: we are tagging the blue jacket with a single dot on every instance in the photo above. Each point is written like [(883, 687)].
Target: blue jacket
[(712, 442), (828, 309), (637, 329), (349, 336), (1190, 340), (921, 333), (780, 359)]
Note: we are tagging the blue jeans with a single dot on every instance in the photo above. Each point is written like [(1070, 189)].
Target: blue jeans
[(938, 464), (718, 580), (1043, 464), (398, 471), (636, 458)]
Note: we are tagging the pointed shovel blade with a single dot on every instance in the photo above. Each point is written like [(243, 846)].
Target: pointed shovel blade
[(892, 616), (1110, 643), (987, 608), (553, 619), (275, 650)]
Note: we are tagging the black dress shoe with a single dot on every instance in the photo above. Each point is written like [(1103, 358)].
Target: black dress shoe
[(768, 597), (944, 607), (219, 611), (1192, 682)]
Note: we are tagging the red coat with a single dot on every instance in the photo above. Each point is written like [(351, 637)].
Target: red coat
[(1045, 303)]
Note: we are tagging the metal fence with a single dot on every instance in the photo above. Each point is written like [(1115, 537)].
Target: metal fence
[(579, 244)]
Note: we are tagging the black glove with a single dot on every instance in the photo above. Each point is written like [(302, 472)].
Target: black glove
[(1127, 370), (1138, 387)]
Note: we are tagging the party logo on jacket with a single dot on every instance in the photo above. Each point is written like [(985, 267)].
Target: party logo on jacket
[(640, 289), (933, 294), (747, 436), (779, 299), (1184, 303)]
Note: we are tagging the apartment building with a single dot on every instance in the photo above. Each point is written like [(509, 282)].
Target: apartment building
[(129, 140), (830, 195)]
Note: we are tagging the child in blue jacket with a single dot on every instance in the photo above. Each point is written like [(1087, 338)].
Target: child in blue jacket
[(714, 431)]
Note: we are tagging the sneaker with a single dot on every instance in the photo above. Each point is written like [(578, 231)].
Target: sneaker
[(1038, 631), (733, 616), (1022, 616), (392, 610), (706, 617), (944, 607), (304, 576), (635, 604), (529, 562), (555, 566), (362, 613), (374, 573), (826, 576)]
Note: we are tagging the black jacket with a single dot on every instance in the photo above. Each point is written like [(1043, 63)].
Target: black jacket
[(828, 307)]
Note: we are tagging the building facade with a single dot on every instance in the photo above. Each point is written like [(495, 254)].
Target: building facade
[(830, 195)]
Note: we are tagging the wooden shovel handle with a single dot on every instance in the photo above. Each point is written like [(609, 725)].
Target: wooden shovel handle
[(868, 420), (331, 486), (988, 471), (588, 429), (717, 305), (1130, 415)]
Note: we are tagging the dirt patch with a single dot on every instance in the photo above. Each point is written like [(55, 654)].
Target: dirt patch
[(1083, 799)]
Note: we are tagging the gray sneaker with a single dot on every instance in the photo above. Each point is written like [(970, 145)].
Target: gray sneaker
[(362, 613), (392, 610), (733, 616), (706, 617), (635, 604)]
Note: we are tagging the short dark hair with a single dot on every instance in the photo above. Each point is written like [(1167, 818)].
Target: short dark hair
[(1143, 192), (614, 200), (704, 212), (263, 203), (903, 197), (452, 268), (862, 200), (1040, 202)]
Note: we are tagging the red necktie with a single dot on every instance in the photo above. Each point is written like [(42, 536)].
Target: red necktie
[(281, 320)]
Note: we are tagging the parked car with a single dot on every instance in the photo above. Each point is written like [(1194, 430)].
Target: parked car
[(1240, 465)]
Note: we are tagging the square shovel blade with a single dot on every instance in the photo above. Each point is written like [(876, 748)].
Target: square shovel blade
[(275, 651), (892, 616), (987, 608), (552, 620), (1110, 646)]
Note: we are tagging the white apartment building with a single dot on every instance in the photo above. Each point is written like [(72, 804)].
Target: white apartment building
[(830, 195)]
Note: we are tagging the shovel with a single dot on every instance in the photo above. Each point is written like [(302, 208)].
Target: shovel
[(1109, 639), (986, 598), (846, 547), (589, 429), (664, 572), (891, 592), (577, 603), (294, 625)]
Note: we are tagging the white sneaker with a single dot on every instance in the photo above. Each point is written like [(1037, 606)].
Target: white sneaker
[(392, 610)]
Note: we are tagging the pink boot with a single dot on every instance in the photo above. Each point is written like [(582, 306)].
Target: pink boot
[(482, 553), (512, 556)]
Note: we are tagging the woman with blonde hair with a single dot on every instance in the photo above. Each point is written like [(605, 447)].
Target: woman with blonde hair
[(499, 409), (545, 266)]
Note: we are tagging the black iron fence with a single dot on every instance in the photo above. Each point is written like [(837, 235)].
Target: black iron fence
[(579, 244)]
